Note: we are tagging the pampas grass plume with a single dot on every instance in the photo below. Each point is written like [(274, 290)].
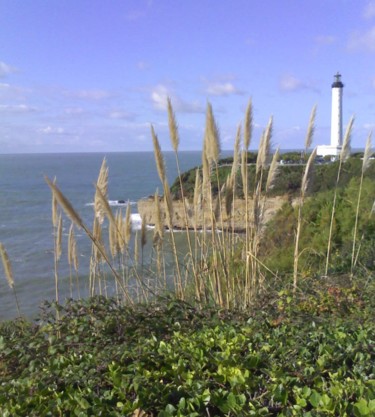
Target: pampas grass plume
[(248, 125), (7, 266), (65, 204), (310, 129), (173, 129)]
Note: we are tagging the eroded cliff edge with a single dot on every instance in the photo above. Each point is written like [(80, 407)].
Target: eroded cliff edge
[(196, 218)]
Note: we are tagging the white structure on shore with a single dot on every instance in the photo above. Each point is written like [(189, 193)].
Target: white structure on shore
[(334, 148)]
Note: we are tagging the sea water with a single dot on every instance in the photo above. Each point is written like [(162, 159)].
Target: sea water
[(25, 213)]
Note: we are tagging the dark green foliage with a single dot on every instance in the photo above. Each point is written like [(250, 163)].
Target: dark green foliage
[(308, 355), (288, 180), (316, 214)]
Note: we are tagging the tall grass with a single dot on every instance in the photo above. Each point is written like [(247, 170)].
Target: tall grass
[(220, 265)]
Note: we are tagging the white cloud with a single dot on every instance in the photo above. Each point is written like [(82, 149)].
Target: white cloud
[(369, 11), (222, 89), (160, 94), (6, 69), (16, 108), (362, 41)]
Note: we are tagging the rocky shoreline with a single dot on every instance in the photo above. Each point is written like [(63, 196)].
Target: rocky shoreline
[(146, 208)]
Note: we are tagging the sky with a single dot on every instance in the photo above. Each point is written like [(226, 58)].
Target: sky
[(94, 75)]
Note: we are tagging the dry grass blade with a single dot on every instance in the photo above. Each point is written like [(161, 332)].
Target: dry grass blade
[(306, 175), (127, 225), (310, 129), (212, 139), (102, 184), (65, 204), (264, 147), (158, 156), (173, 129), (345, 151), (244, 172), (367, 154), (197, 199), (72, 249), (273, 171), (236, 154), (105, 205), (159, 228), (248, 127), (58, 238), (7, 266), (54, 208)]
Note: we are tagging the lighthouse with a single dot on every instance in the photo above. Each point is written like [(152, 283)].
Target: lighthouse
[(334, 148), (336, 112)]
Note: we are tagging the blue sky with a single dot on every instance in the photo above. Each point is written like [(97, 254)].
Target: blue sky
[(90, 75)]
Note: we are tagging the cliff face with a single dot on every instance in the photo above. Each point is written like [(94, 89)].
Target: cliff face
[(146, 208)]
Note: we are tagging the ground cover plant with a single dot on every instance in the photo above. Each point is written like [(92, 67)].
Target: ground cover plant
[(275, 320), (313, 356)]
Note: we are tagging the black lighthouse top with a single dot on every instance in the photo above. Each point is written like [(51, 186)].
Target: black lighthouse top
[(337, 83)]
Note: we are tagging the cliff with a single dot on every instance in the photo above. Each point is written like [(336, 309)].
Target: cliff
[(146, 208)]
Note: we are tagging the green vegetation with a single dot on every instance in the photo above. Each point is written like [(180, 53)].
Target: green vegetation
[(308, 355), (288, 180), (275, 321)]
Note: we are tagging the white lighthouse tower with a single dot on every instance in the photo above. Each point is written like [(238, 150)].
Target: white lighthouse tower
[(334, 148)]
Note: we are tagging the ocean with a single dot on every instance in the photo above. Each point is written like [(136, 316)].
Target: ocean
[(25, 213)]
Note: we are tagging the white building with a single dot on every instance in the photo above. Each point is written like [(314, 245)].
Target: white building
[(334, 148)]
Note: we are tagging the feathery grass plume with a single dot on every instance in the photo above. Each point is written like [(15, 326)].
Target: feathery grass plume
[(307, 173), (72, 249), (120, 229), (136, 249), (273, 170), (72, 257), (113, 243), (54, 208), (158, 156), (57, 255), (102, 185), (365, 165), (65, 204), (304, 186), (345, 151), (197, 198), (173, 129), (73, 215), (236, 154), (159, 228), (127, 225), (248, 126), (344, 155), (367, 154), (264, 147), (59, 237), (7, 266), (244, 172), (104, 206), (9, 274), (228, 195), (212, 138), (310, 129)]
